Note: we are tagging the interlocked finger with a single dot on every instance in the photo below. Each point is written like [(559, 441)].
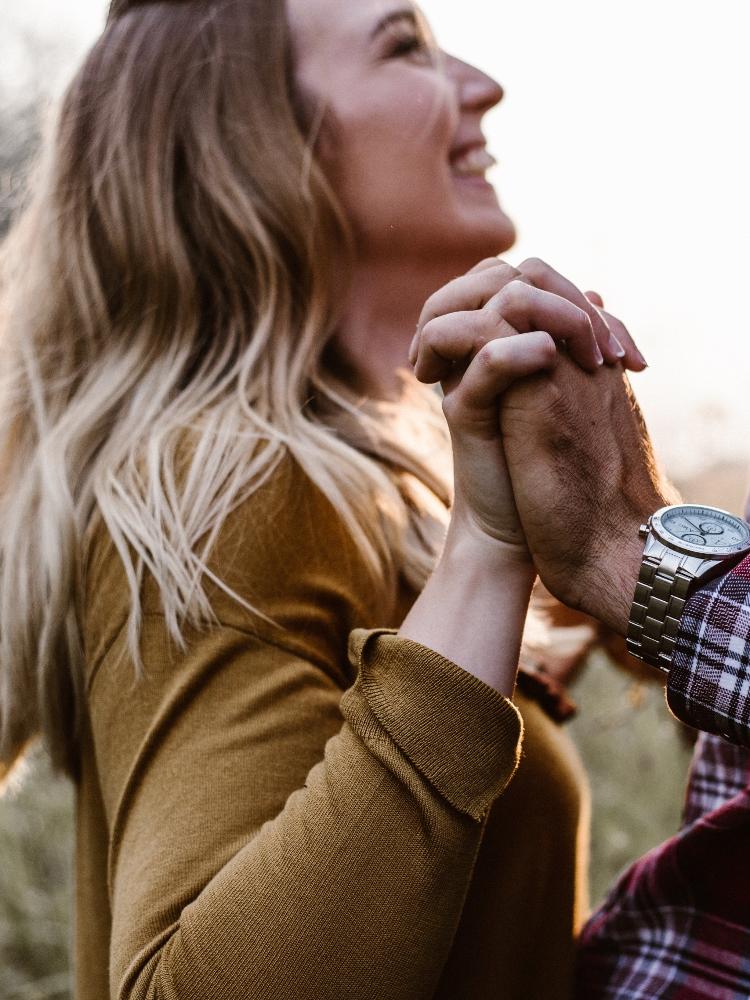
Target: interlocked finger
[(471, 406), (449, 342), (541, 275), (527, 308), (633, 360), (471, 291)]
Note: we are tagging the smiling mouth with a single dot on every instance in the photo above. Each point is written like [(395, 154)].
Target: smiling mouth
[(472, 163)]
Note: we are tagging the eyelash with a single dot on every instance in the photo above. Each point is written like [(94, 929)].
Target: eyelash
[(407, 45)]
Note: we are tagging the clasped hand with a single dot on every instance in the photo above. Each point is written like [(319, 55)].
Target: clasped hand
[(552, 460)]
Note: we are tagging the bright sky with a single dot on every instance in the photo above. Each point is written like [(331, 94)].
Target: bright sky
[(624, 162)]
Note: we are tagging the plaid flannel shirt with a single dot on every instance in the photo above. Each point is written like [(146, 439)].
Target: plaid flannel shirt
[(677, 924)]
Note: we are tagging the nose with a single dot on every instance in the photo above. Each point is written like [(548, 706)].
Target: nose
[(476, 90)]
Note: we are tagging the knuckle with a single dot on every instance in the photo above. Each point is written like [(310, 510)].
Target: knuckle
[(534, 267), (479, 343), (488, 357), (430, 330), (514, 293), (497, 277), (506, 269)]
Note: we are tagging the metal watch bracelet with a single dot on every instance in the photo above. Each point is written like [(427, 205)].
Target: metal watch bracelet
[(660, 597)]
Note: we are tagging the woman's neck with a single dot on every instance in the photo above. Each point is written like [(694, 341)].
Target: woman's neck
[(384, 304)]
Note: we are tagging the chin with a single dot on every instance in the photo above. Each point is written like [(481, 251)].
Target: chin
[(496, 224), (489, 236), (454, 250), (504, 234)]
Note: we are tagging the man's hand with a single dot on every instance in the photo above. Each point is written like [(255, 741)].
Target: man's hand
[(476, 336), (584, 478)]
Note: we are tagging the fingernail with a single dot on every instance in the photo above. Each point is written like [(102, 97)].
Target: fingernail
[(642, 359), (599, 356), (615, 346)]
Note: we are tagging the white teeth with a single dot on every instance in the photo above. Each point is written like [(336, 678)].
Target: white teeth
[(474, 163)]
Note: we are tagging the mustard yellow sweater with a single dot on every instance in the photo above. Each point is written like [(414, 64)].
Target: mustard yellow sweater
[(306, 810)]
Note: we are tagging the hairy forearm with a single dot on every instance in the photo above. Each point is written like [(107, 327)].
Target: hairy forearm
[(607, 593), (473, 608), (612, 570)]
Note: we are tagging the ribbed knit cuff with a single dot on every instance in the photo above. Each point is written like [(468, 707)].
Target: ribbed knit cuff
[(462, 735)]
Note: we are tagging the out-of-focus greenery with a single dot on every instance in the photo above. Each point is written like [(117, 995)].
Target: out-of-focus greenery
[(637, 757), (36, 833)]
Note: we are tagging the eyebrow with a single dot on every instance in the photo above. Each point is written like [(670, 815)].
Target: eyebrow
[(405, 14)]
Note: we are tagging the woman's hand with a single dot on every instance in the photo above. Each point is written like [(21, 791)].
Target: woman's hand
[(467, 339)]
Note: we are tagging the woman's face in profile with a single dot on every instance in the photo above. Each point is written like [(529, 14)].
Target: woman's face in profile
[(402, 141)]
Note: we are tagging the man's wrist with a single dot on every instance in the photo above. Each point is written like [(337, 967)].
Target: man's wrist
[(610, 595)]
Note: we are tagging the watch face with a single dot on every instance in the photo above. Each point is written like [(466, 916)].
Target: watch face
[(702, 530)]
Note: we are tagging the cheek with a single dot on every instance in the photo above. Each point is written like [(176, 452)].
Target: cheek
[(424, 123), (385, 149), (406, 126)]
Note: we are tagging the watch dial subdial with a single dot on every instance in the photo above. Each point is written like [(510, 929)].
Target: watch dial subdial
[(711, 528), (694, 539)]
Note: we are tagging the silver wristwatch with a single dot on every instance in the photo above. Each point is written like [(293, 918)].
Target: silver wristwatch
[(685, 545)]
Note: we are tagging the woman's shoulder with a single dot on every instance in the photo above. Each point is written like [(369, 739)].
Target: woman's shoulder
[(287, 541), (283, 564)]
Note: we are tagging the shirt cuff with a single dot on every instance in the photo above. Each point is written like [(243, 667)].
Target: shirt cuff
[(709, 681), (460, 734)]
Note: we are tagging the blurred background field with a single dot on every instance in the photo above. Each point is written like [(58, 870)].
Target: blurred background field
[(36, 824), (634, 212)]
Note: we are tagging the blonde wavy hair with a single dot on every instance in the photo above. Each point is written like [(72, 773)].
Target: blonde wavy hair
[(174, 280)]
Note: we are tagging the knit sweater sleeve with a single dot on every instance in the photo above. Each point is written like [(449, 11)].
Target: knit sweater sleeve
[(277, 831)]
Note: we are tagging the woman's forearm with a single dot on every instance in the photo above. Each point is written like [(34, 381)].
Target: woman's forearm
[(473, 608)]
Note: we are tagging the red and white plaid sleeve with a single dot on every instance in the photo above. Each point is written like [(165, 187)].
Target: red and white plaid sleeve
[(709, 682)]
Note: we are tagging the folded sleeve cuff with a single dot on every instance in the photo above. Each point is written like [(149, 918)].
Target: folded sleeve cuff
[(459, 733), (709, 681)]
